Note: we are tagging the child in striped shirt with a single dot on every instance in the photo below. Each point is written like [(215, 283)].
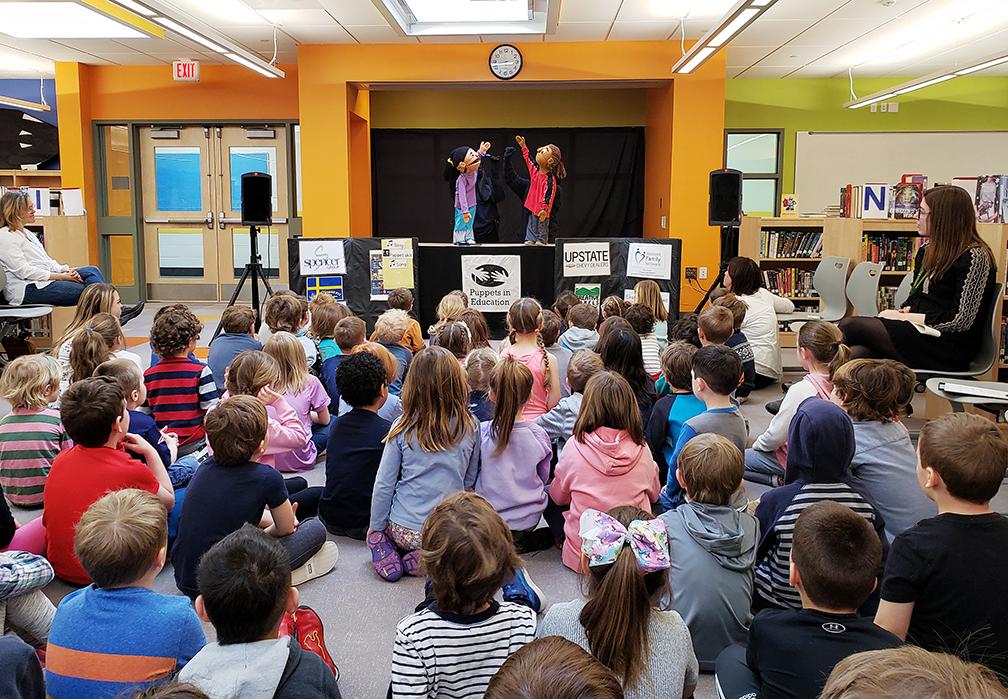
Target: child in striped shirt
[(31, 435), (453, 647), (180, 390)]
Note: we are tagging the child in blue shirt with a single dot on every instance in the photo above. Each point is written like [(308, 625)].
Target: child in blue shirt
[(671, 411)]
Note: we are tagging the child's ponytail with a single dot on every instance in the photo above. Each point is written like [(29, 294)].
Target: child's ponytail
[(525, 317), (824, 341), (92, 345), (559, 171), (627, 551), (511, 383)]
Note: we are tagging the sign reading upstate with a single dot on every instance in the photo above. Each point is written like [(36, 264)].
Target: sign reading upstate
[(586, 259), (492, 282)]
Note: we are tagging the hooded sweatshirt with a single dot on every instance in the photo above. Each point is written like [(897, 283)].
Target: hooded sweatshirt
[(607, 470), (272, 669), (713, 550), (579, 338), (820, 451)]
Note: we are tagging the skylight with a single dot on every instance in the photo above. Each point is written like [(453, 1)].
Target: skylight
[(469, 10), (60, 20)]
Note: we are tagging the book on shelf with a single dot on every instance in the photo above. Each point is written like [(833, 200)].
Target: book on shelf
[(896, 254), (876, 201), (922, 180), (790, 282), (790, 244), (789, 206), (887, 297), (906, 200), (989, 195)]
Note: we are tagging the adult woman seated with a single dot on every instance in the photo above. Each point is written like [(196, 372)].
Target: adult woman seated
[(953, 284), (743, 278), (33, 276)]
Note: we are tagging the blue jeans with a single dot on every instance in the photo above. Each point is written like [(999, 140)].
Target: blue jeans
[(61, 293), (320, 436)]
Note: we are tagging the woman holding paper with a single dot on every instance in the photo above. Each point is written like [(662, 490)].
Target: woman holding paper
[(953, 286), (33, 276)]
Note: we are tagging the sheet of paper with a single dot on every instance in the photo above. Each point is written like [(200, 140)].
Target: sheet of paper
[(73, 202)]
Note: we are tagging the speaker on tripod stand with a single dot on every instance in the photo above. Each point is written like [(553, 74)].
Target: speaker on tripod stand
[(256, 211), (724, 209)]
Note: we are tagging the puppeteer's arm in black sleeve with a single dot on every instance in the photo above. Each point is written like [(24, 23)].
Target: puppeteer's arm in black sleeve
[(517, 184)]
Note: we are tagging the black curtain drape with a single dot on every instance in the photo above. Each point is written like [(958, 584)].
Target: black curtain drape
[(602, 196)]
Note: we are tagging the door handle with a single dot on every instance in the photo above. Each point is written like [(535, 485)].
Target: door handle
[(209, 220), (221, 220), (201, 221), (237, 221)]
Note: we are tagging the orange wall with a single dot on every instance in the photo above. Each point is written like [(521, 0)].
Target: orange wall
[(73, 99)]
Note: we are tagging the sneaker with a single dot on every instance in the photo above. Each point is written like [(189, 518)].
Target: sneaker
[(523, 591), (317, 566), (311, 636), (411, 563), (384, 557), (773, 407), (538, 540), (130, 312), (288, 626)]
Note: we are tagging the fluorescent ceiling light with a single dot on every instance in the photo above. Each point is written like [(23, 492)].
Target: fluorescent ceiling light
[(469, 10), (928, 83), (731, 23), (734, 26), (865, 102), (136, 7), (189, 34), (250, 65), (24, 104), (61, 20), (988, 64)]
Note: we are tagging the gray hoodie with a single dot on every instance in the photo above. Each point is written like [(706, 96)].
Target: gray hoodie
[(272, 669), (713, 550), (579, 338)]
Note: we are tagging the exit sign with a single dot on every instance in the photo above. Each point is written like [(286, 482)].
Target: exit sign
[(185, 71)]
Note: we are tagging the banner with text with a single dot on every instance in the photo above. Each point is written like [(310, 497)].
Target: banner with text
[(492, 282), (649, 261), (586, 259), (321, 257)]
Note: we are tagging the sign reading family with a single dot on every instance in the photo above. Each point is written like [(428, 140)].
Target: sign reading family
[(649, 261), (586, 259), (492, 282), (321, 258)]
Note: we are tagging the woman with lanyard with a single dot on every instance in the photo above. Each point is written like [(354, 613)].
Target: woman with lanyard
[(953, 284)]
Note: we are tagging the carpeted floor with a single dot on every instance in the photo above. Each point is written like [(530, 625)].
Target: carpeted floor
[(359, 610)]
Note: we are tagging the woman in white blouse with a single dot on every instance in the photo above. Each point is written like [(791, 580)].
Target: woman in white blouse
[(743, 278), (33, 276)]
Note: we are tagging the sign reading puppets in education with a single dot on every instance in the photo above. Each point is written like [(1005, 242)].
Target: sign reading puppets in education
[(492, 282)]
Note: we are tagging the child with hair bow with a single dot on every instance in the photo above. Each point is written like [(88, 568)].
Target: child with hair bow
[(624, 622)]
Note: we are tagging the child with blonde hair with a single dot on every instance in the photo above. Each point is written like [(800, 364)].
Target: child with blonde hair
[(101, 340), (390, 331), (605, 463), (515, 458), (433, 450), (479, 366), (31, 435), (525, 323), (402, 299), (289, 312), (648, 293), (820, 352), (305, 394), (449, 308)]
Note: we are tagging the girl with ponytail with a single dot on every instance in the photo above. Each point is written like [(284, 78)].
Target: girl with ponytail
[(100, 340), (515, 457), (624, 622), (821, 352), (525, 321)]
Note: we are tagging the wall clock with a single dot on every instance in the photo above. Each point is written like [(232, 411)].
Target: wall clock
[(505, 61)]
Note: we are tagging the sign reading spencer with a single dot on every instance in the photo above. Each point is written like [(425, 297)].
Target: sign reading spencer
[(492, 282), (586, 259)]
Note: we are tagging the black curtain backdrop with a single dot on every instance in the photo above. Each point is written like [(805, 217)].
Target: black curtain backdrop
[(602, 195)]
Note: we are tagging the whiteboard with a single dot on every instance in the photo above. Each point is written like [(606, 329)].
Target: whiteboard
[(827, 161)]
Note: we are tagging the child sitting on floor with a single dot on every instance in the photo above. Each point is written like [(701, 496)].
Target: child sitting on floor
[(550, 334), (582, 321), (464, 636), (180, 390), (31, 435), (356, 443), (289, 312), (713, 548), (834, 562), (402, 299), (119, 622), (238, 323), (672, 411), (738, 342), (556, 668), (237, 432), (93, 411), (942, 585), (479, 366), (246, 592), (641, 319), (349, 333), (390, 329), (559, 422), (324, 317), (870, 390), (715, 326)]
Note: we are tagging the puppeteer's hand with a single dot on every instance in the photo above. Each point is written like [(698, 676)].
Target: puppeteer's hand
[(520, 140), (543, 215), (466, 217), (484, 146), (509, 151)]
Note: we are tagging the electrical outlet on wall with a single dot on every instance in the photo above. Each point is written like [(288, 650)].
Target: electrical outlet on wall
[(873, 107), (703, 272), (883, 106), (893, 107), (691, 272)]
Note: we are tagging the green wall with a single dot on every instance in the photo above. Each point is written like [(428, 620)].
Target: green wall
[(961, 104)]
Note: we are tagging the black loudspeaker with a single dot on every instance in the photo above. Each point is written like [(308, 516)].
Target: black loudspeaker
[(725, 198), (256, 199)]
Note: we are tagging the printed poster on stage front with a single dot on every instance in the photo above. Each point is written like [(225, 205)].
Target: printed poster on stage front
[(649, 261), (492, 282)]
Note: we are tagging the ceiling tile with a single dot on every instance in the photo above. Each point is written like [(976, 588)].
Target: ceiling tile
[(802, 9), (221, 13), (275, 5), (378, 35), (334, 34), (831, 32), (580, 31), (354, 12), (299, 18), (589, 11), (764, 32), (643, 31), (875, 11), (747, 55), (763, 73)]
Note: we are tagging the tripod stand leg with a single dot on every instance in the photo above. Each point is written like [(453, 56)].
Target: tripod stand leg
[(234, 297)]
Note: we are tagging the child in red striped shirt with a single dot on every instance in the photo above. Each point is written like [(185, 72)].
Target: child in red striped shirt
[(180, 390), (31, 435)]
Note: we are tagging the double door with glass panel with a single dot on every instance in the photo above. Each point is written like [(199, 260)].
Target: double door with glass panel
[(195, 246)]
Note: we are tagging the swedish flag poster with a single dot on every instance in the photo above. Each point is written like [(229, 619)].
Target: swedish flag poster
[(330, 285)]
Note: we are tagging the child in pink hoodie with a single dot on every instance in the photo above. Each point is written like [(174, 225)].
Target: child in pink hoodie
[(605, 464)]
